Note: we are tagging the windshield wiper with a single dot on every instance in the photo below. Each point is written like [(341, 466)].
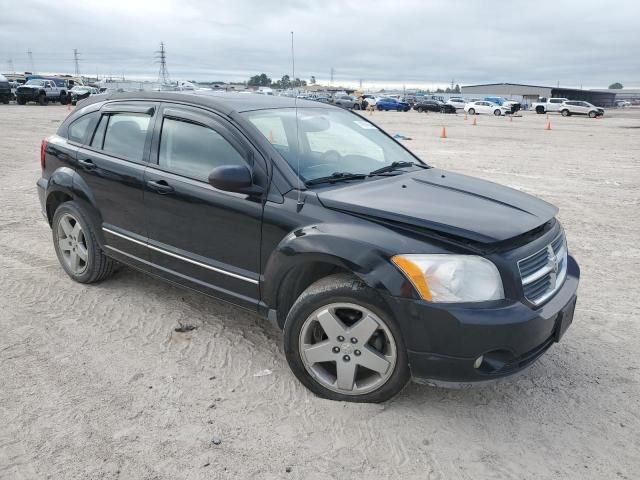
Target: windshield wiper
[(395, 166), (336, 177)]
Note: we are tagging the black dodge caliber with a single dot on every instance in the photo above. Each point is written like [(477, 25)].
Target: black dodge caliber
[(378, 267)]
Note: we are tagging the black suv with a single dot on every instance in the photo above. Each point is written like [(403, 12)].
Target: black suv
[(377, 266)]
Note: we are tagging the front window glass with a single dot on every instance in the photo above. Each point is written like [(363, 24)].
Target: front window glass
[(328, 141)]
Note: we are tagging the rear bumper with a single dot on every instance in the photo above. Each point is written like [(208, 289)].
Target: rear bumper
[(444, 342)]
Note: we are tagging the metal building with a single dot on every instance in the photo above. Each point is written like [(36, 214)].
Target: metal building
[(527, 94)]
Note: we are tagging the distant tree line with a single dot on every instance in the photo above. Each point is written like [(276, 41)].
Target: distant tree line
[(284, 83)]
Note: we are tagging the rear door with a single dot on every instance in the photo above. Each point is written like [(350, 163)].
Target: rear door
[(199, 236), (112, 165)]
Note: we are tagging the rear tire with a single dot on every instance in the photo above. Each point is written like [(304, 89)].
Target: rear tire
[(77, 247), (341, 301)]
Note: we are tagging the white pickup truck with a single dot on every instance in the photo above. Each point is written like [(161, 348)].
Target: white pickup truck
[(43, 91), (548, 105)]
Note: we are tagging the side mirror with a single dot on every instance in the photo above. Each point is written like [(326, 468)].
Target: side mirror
[(234, 178)]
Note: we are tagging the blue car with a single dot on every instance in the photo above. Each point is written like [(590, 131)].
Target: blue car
[(392, 104)]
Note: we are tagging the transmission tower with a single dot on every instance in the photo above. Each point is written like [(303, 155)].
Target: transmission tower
[(30, 55), (11, 69), (76, 61), (332, 71), (161, 58)]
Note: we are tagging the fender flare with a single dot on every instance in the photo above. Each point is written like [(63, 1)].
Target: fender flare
[(333, 244), (65, 180)]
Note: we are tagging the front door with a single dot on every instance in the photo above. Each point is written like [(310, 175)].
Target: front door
[(199, 236)]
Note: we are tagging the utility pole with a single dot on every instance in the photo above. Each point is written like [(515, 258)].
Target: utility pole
[(360, 84), (11, 69), (331, 76), (163, 73), (76, 61), (30, 55)]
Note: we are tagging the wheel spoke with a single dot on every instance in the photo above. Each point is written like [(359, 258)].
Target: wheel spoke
[(82, 252), (331, 324), (74, 261), (373, 361), (346, 375), (77, 230), (66, 226), (320, 352), (364, 329), (65, 244)]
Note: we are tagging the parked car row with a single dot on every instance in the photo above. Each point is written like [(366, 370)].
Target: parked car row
[(567, 107)]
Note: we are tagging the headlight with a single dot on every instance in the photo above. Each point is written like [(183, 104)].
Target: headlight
[(451, 278)]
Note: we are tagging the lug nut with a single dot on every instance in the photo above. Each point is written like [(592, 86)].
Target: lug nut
[(357, 353), (340, 338), (346, 358), (336, 350), (354, 340)]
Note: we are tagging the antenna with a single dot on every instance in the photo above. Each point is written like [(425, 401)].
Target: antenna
[(295, 105)]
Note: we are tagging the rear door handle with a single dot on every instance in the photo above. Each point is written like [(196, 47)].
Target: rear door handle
[(160, 186), (87, 164)]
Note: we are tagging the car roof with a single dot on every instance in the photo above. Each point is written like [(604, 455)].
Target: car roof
[(225, 102)]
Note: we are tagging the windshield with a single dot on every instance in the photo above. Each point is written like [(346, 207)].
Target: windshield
[(329, 141), (39, 83)]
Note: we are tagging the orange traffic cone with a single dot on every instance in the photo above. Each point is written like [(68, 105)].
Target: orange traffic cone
[(443, 134), (465, 116), (474, 121), (548, 125)]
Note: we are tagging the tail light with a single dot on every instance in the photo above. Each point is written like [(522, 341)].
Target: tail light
[(43, 152)]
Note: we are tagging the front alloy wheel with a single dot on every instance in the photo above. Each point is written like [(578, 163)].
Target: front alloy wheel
[(342, 342), (347, 348)]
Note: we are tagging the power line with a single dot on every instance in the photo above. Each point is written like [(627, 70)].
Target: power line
[(76, 61), (163, 73)]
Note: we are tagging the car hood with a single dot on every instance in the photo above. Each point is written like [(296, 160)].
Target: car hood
[(444, 202)]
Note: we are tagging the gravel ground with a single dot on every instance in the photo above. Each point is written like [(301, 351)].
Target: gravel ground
[(96, 384)]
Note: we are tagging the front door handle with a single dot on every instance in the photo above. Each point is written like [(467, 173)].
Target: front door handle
[(87, 164), (160, 186)]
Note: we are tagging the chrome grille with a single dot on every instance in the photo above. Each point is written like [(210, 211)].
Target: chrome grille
[(543, 273)]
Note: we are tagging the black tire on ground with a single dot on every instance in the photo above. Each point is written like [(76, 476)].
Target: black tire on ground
[(21, 101), (497, 112), (379, 108), (540, 109), (64, 99), (5, 101), (356, 106), (565, 113), (420, 109), (593, 114), (99, 266), (472, 111), (343, 288), (42, 99)]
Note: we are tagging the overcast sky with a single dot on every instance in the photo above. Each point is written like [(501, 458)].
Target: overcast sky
[(415, 42)]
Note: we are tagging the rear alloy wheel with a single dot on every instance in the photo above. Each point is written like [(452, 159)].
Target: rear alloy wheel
[(497, 112), (343, 344), (76, 245), (472, 111), (565, 113)]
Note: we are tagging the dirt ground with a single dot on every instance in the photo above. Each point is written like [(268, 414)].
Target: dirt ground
[(96, 384)]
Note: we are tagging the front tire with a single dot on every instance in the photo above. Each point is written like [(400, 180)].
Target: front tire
[(497, 112), (76, 246), (565, 113), (42, 99), (342, 342), (593, 114), (472, 111), (21, 101)]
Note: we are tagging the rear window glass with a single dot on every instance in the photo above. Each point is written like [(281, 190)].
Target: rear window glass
[(79, 129), (126, 134)]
